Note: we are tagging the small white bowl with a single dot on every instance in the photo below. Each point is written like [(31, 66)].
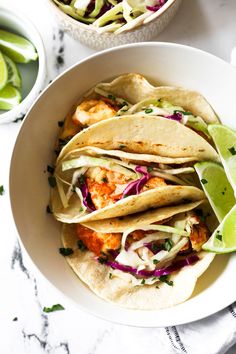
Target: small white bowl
[(33, 73), (89, 36), (161, 63)]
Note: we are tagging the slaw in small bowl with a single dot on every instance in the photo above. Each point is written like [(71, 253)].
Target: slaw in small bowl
[(111, 25)]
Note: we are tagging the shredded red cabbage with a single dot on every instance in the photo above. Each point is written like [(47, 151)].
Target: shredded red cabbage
[(87, 201), (157, 272), (135, 187), (157, 6), (175, 116)]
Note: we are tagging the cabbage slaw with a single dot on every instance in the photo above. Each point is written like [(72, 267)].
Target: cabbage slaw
[(111, 15)]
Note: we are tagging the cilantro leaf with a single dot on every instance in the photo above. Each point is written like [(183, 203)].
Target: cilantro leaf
[(54, 308)]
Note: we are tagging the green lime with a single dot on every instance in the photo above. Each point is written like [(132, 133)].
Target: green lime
[(216, 187), (3, 72), (223, 240), (225, 141), (16, 47), (13, 73), (9, 97)]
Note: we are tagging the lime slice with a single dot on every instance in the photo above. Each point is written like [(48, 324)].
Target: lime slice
[(13, 73), (223, 240), (225, 141), (9, 97), (3, 72), (216, 187), (16, 47)]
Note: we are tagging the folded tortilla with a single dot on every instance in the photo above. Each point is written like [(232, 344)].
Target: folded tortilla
[(116, 286), (160, 196)]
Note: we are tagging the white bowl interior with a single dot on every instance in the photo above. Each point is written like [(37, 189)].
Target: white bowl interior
[(40, 234), (32, 73)]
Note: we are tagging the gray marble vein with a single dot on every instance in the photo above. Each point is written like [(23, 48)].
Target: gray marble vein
[(42, 339)]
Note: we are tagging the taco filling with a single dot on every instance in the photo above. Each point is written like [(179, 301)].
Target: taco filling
[(149, 252), (102, 181)]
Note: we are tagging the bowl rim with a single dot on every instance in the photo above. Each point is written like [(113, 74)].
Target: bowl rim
[(230, 298), (41, 74), (89, 28)]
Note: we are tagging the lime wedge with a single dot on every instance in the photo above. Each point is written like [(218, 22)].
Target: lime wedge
[(9, 97), (223, 240), (13, 76), (225, 141), (216, 187), (3, 72), (16, 47)]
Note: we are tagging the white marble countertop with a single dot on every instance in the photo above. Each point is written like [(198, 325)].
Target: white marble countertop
[(209, 25)]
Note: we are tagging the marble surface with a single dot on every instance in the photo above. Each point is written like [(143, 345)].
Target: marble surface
[(24, 327)]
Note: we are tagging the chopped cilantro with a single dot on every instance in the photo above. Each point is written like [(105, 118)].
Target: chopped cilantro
[(204, 181), (50, 169), (104, 179), (54, 308), (60, 123), (48, 210), (81, 209), (155, 278), (223, 193), (120, 105), (164, 279), (81, 180), (155, 261), (112, 97), (110, 275), (1, 190), (149, 168), (102, 260), (81, 246), (121, 146), (73, 188), (52, 181), (232, 150), (65, 251), (168, 244), (148, 110), (219, 237), (154, 247), (143, 281)]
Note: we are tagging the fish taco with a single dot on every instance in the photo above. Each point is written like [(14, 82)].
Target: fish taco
[(94, 184), (133, 94), (146, 261)]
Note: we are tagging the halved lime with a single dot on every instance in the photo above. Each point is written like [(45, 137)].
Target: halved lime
[(16, 47), (223, 240), (13, 73), (216, 187), (3, 71), (9, 97), (225, 141)]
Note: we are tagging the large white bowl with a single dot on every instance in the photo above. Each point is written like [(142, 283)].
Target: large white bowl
[(165, 63)]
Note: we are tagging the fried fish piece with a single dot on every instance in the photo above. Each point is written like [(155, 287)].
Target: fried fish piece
[(92, 111)]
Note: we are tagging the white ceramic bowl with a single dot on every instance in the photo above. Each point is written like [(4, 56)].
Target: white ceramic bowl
[(88, 35), (33, 74), (166, 63)]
